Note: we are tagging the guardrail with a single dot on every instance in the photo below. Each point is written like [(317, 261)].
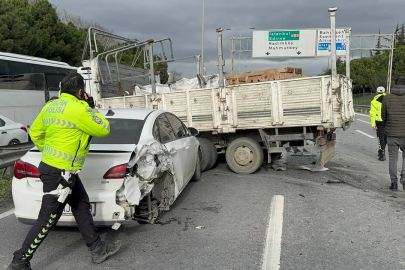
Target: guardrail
[(11, 153), (362, 108)]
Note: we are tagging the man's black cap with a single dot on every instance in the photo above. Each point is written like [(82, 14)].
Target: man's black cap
[(400, 80)]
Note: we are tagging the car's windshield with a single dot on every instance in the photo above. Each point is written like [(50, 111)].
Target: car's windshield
[(122, 131)]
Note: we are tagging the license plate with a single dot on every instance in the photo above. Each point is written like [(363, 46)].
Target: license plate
[(68, 210)]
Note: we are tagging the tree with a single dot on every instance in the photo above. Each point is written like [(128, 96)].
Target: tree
[(340, 66), (400, 34), (176, 75), (378, 46), (81, 23), (34, 28)]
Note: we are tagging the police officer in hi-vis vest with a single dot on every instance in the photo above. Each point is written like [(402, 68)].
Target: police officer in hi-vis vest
[(377, 122), (62, 132)]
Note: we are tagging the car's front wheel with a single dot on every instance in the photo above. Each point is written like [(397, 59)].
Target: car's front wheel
[(197, 173)]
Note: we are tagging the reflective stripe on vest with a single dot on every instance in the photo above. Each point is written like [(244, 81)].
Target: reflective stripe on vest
[(62, 155), (57, 121)]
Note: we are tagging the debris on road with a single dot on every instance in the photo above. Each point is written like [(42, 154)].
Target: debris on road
[(314, 168), (200, 227), (335, 181), (302, 195)]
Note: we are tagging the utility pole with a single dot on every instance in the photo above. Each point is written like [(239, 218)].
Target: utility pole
[(202, 39)]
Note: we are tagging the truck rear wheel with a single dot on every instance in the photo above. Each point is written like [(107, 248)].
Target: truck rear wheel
[(207, 149), (214, 156), (244, 156)]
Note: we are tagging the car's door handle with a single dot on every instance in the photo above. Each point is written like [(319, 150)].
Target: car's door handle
[(4, 132), (187, 147)]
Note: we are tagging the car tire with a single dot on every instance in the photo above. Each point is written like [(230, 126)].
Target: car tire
[(205, 152), (14, 141), (197, 173), (244, 156)]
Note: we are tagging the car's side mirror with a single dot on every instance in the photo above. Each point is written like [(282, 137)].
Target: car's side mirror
[(180, 134), (193, 131)]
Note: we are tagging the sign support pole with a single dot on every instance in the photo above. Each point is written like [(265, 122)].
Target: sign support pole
[(348, 40), (221, 62), (333, 39)]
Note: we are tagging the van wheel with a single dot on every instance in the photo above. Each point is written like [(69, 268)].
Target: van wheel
[(244, 156), (15, 141), (197, 173)]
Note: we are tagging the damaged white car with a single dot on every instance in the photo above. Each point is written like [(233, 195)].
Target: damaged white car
[(131, 175)]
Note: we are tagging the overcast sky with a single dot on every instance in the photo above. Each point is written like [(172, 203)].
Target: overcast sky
[(181, 21)]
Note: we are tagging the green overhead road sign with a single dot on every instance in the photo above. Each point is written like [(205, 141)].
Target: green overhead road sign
[(284, 35)]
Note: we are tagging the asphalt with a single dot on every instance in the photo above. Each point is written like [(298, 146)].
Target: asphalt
[(355, 224)]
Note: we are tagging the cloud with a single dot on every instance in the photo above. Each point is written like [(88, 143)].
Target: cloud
[(181, 21)]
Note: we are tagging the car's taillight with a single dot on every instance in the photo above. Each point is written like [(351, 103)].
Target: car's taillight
[(116, 172), (24, 128), (23, 169)]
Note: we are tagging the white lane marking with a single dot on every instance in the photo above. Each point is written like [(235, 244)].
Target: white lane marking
[(365, 134), (272, 250), (6, 214), (363, 121)]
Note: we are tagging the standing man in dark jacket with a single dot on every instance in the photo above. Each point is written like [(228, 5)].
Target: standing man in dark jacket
[(393, 115)]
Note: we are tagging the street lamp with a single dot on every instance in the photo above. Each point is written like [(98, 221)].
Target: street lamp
[(202, 39)]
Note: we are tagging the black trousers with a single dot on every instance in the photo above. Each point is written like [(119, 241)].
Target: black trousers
[(382, 137), (51, 211)]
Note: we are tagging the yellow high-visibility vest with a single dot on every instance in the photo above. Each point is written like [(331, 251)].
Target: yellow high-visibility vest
[(63, 130)]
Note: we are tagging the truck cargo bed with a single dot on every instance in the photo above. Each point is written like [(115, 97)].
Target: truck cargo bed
[(297, 102)]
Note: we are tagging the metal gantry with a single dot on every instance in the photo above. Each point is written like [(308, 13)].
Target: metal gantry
[(244, 45), (376, 42)]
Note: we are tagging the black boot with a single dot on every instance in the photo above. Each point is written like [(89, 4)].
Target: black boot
[(383, 155), (394, 186), (380, 155), (101, 251), (19, 265)]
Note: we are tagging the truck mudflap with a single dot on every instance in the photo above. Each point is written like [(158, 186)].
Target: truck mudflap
[(323, 155)]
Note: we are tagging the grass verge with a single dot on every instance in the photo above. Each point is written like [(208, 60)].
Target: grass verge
[(5, 188)]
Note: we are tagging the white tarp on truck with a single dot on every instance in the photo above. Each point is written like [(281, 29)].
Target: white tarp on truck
[(211, 81)]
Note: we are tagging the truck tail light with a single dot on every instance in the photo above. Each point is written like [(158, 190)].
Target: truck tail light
[(116, 172), (25, 129), (23, 169)]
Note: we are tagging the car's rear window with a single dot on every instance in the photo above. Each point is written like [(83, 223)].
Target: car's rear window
[(122, 131)]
